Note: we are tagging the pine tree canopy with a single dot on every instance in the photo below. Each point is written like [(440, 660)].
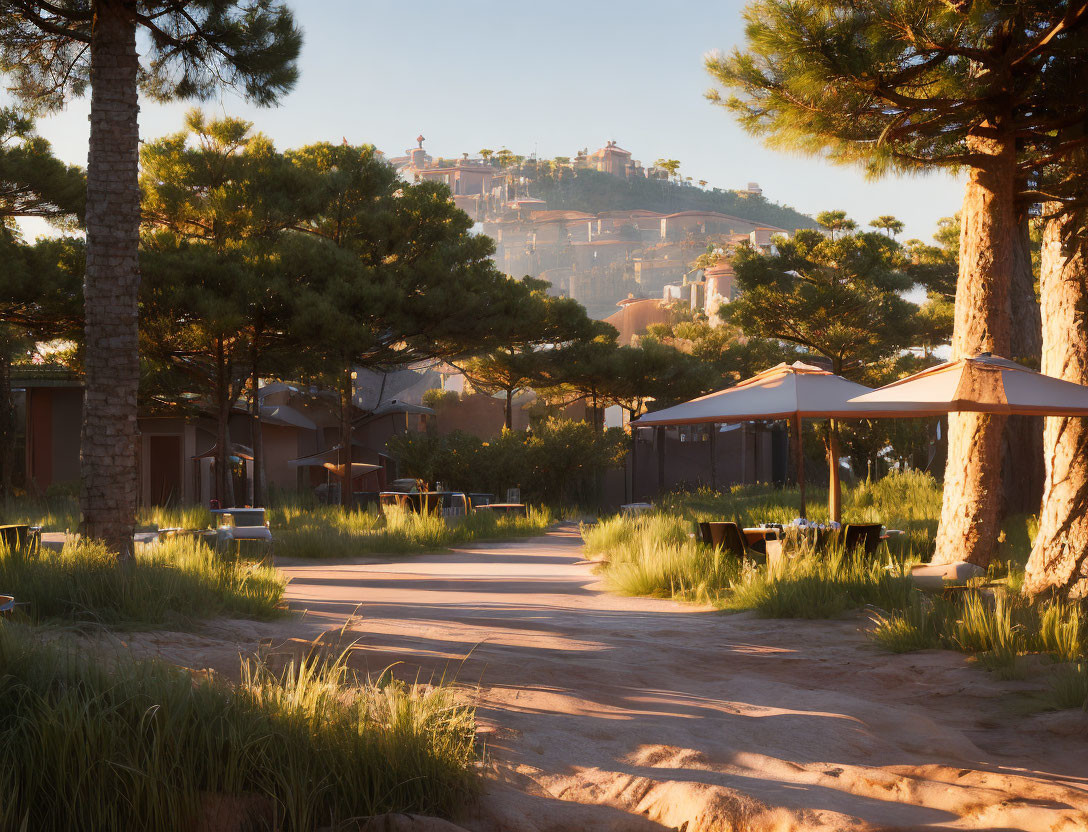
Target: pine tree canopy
[(904, 84), (193, 48), (839, 298), (34, 182)]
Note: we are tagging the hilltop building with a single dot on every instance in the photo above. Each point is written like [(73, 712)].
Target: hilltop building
[(599, 259)]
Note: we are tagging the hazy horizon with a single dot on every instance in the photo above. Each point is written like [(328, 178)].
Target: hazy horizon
[(488, 75)]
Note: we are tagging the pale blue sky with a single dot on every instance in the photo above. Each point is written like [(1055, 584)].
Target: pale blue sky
[(546, 77)]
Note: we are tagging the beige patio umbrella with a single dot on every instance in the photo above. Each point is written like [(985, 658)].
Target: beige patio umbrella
[(787, 391), (983, 384)]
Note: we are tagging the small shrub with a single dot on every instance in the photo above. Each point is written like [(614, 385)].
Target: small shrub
[(917, 626), (904, 633)]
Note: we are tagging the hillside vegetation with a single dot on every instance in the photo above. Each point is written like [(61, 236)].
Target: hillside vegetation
[(593, 192)]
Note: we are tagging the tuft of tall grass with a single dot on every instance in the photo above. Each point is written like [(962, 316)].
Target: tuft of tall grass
[(912, 628), (1068, 688), (167, 584), (123, 744), (688, 571), (1060, 631), (611, 536)]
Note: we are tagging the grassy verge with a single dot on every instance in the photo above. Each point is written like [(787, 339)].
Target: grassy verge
[(310, 530), (330, 532), (1003, 630), (998, 629), (661, 560), (657, 553), (167, 585), (87, 744)]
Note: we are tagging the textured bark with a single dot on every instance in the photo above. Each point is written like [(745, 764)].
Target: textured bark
[(111, 284), (1023, 471), (972, 483), (509, 413), (347, 387), (1059, 560)]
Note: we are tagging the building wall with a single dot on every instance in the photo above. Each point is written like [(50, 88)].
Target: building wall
[(166, 449), (281, 445), (68, 410), (671, 458), (53, 420)]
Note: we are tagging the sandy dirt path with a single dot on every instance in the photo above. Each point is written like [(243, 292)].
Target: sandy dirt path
[(609, 713)]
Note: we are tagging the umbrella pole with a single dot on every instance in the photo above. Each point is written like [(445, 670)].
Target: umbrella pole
[(834, 491), (799, 456)]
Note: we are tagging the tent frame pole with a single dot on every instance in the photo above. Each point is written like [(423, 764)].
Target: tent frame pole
[(834, 498)]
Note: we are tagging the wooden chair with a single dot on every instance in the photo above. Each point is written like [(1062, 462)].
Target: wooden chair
[(728, 536), (704, 534), (865, 535)]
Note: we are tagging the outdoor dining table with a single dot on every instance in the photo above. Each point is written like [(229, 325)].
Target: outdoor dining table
[(790, 538)]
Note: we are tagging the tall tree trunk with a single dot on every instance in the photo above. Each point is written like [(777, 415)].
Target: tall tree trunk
[(1059, 560), (347, 498), (1023, 471), (258, 432), (509, 410), (799, 464), (972, 481), (111, 286)]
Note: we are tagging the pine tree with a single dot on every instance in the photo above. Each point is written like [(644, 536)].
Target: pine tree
[(1059, 559), (909, 86), (544, 323), (839, 298), (401, 277), (39, 288), (53, 51), (218, 202)]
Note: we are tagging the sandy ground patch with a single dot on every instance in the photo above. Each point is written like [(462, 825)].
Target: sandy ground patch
[(608, 713)]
